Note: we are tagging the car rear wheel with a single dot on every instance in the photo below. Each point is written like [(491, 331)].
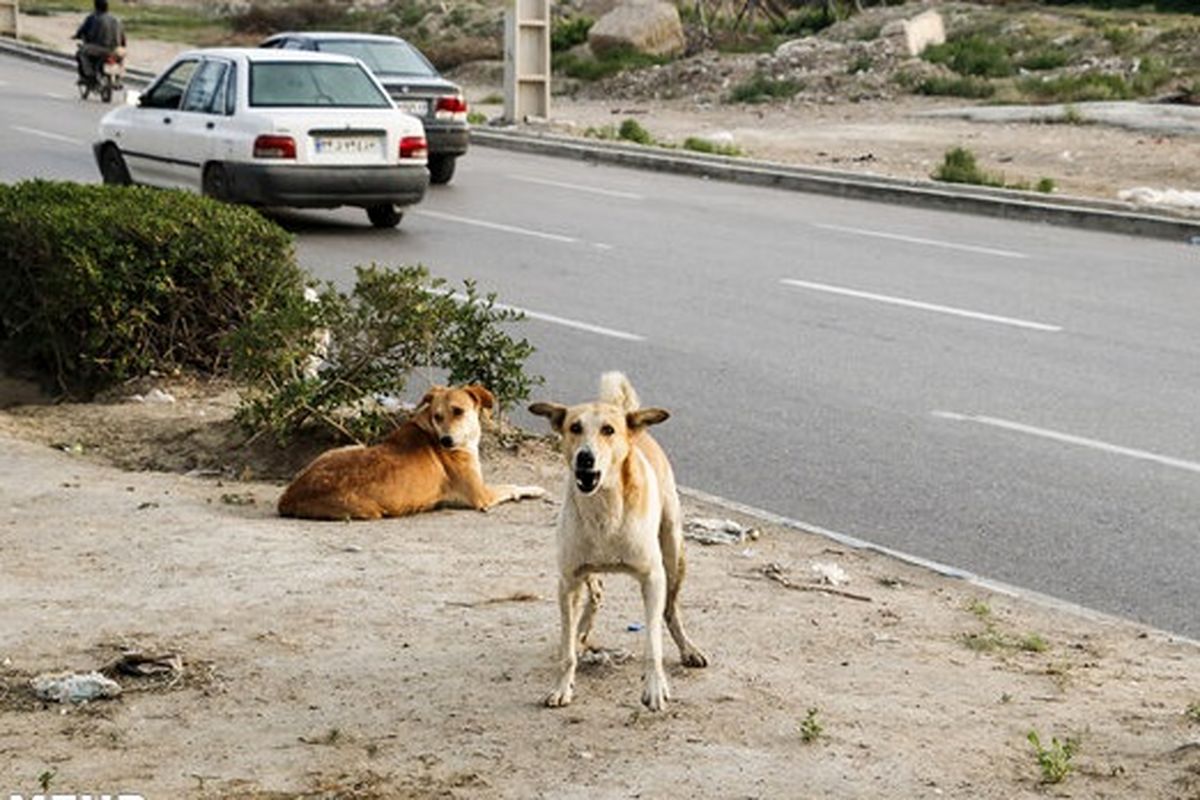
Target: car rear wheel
[(384, 216), (441, 169), (215, 182), (112, 167)]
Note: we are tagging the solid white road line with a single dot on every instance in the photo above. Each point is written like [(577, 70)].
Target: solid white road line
[(568, 323), (496, 226), (1067, 438), (900, 301), (970, 248), (577, 188), (46, 134)]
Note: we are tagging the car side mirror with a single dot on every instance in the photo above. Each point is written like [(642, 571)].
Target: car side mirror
[(133, 98)]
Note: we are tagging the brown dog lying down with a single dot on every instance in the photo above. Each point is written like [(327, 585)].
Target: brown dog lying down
[(430, 461)]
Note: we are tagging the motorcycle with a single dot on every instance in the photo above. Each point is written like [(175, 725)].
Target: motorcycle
[(108, 74)]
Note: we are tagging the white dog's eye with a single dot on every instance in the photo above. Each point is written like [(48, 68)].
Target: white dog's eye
[(607, 430), (456, 411), (438, 417), (576, 427)]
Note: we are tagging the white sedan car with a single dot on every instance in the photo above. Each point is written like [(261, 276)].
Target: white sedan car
[(272, 128)]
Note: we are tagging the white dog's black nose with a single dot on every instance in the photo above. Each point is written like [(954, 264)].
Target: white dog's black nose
[(446, 441), (584, 460)]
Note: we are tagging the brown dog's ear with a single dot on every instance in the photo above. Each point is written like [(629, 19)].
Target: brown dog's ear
[(644, 417), (483, 397), (552, 411)]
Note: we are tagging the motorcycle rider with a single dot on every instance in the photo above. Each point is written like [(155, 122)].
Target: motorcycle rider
[(100, 35)]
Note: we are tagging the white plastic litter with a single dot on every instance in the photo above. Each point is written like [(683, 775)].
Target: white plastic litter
[(155, 397), (830, 574), (74, 687), (710, 530)]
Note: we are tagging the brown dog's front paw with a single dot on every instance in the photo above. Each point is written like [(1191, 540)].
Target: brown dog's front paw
[(694, 658)]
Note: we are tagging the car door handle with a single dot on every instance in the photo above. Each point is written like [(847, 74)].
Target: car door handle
[(210, 125), (166, 120)]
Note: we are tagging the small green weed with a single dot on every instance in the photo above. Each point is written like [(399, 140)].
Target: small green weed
[(761, 88), (1193, 712), (1054, 761), (811, 727), (493, 99), (46, 778), (979, 608), (603, 133), (477, 118), (1046, 186), (699, 145), (862, 63)]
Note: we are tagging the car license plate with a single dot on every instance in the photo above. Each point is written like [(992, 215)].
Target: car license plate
[(348, 145), (418, 107)]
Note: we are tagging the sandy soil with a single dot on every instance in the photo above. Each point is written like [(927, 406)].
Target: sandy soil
[(407, 658), (883, 138)]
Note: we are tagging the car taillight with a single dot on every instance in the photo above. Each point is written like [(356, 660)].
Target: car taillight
[(274, 147), (451, 107), (413, 147)]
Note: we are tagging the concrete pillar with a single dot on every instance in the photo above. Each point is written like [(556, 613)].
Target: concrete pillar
[(10, 19), (527, 60)]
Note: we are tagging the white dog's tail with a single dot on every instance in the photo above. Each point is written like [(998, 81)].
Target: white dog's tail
[(615, 388)]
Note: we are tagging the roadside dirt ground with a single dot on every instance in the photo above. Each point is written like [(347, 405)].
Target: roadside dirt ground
[(877, 137), (407, 658)]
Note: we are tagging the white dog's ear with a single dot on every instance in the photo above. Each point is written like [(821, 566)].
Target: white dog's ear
[(552, 411), (644, 417), (483, 397)]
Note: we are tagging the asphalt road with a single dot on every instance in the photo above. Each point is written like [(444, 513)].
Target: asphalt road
[(1012, 399)]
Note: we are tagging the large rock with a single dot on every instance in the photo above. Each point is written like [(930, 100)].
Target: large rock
[(644, 26), (913, 35)]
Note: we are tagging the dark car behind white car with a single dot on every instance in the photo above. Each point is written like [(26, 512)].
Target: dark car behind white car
[(414, 84)]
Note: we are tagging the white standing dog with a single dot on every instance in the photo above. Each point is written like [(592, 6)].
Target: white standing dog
[(621, 514)]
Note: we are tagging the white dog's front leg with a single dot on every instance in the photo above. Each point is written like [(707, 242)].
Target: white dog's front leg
[(570, 604), (655, 692)]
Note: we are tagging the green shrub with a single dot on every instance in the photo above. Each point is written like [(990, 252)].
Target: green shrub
[(760, 88), (1041, 60), (569, 32), (938, 86), (594, 69), (99, 284), (1077, 88), (810, 19), (959, 166), (975, 55), (1053, 761), (393, 322), (632, 131)]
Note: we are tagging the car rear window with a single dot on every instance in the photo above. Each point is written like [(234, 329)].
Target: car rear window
[(382, 58), (308, 84)]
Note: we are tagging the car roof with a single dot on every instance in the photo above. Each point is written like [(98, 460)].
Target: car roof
[(258, 54), (338, 35)]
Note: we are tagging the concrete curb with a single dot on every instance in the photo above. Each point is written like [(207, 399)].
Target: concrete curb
[(1075, 212), (945, 570)]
